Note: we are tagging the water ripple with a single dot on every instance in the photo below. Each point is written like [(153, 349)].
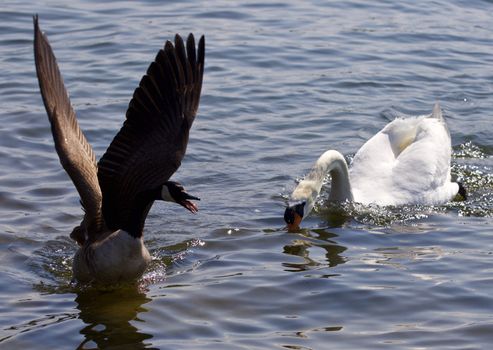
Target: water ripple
[(283, 83)]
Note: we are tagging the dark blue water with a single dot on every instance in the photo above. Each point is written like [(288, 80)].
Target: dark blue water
[(284, 81)]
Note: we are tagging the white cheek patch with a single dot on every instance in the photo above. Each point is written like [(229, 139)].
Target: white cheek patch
[(165, 195)]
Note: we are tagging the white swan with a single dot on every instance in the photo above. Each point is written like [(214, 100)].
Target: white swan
[(407, 162)]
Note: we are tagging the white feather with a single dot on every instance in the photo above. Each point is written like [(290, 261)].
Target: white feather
[(166, 195), (407, 162)]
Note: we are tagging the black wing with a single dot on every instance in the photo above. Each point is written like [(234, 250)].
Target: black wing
[(152, 142), (75, 153)]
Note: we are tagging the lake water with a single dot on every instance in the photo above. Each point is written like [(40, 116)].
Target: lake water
[(284, 81)]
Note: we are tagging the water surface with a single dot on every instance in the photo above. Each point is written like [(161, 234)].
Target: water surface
[(284, 81)]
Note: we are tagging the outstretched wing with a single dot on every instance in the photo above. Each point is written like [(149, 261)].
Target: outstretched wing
[(75, 153), (152, 142)]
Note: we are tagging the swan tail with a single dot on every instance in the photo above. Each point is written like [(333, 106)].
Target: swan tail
[(437, 112)]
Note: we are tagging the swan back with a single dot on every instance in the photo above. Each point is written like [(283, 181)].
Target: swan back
[(407, 162)]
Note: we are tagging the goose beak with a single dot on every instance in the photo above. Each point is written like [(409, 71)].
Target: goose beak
[(185, 201)]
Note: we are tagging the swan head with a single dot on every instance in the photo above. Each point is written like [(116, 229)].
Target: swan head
[(293, 215), (173, 191)]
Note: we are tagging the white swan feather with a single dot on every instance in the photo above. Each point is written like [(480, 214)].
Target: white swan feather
[(407, 162)]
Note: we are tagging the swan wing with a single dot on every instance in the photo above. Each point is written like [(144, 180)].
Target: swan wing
[(153, 139), (75, 152), (422, 171), (407, 162), (371, 171)]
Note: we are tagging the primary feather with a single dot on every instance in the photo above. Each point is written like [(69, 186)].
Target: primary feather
[(118, 192)]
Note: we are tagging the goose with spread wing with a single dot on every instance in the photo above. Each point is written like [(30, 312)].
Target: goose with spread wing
[(118, 192), (407, 162)]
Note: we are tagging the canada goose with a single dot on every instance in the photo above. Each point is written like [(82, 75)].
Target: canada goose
[(117, 193), (407, 162)]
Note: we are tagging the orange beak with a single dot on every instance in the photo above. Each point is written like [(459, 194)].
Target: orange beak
[(295, 226)]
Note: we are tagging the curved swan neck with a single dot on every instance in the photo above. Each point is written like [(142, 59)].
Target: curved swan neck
[(331, 162), (334, 163)]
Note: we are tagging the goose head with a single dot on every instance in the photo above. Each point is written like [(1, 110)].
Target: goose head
[(172, 191), (293, 215)]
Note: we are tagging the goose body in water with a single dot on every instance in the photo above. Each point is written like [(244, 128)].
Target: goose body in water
[(118, 192), (407, 162)]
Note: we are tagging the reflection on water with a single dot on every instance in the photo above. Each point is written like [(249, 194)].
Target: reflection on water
[(105, 317), (304, 247), (37, 324), (111, 318), (399, 257), (283, 83)]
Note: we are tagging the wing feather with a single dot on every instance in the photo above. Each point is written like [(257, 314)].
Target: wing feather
[(151, 144), (408, 162), (75, 152)]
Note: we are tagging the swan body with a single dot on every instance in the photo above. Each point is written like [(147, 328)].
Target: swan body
[(407, 162), (118, 191)]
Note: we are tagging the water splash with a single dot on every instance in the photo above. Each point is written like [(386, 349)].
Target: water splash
[(471, 165), (52, 265), (468, 150), (163, 257)]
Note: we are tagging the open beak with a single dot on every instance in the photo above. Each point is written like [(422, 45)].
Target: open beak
[(185, 202), (295, 225)]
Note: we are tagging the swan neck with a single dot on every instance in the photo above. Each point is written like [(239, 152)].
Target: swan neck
[(308, 189), (333, 162)]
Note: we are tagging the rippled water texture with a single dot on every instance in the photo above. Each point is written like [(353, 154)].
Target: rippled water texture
[(284, 81)]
